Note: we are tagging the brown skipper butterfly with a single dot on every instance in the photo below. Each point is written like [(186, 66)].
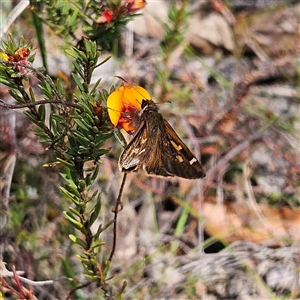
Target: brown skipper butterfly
[(157, 149)]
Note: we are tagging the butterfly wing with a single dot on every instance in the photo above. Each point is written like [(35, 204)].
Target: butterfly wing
[(167, 153), (133, 155)]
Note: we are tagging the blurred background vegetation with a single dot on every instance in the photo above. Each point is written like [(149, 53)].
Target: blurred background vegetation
[(225, 74)]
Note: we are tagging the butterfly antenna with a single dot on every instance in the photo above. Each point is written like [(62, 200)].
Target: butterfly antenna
[(120, 77), (132, 87)]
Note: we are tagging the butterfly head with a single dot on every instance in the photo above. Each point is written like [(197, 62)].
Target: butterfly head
[(148, 105)]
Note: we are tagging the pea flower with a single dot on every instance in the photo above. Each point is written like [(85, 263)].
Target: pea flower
[(124, 104)]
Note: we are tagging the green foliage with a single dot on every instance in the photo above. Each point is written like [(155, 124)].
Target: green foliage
[(173, 37), (177, 14), (101, 22), (76, 129), (71, 121)]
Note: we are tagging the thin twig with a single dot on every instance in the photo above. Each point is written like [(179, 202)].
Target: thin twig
[(32, 104), (116, 210), (78, 288), (46, 78), (235, 151), (17, 276)]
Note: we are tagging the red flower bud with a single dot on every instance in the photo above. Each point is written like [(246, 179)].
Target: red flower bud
[(106, 17)]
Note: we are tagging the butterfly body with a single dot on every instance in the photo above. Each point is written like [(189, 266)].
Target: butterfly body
[(157, 149)]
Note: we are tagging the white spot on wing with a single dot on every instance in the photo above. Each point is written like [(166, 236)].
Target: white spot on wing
[(142, 151), (193, 160)]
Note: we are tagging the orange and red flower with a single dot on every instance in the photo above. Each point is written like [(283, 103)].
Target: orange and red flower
[(124, 8), (135, 5), (124, 104), (20, 57), (106, 17), (22, 53)]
